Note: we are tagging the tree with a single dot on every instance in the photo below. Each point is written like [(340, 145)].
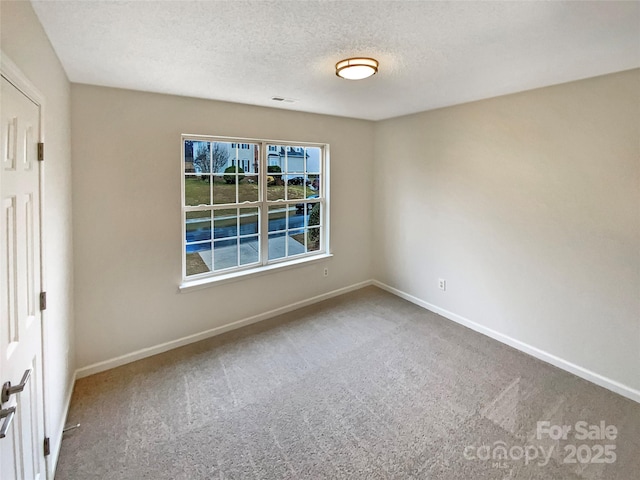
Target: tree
[(206, 161), (220, 157), (202, 157)]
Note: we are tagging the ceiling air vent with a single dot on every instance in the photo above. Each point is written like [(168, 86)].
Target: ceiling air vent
[(283, 99)]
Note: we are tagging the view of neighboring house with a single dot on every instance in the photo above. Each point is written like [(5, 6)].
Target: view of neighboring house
[(203, 157)]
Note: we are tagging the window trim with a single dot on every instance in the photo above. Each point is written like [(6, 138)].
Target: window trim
[(200, 283), (265, 266)]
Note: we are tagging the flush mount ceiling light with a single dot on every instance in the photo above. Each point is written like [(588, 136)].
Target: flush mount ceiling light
[(356, 68)]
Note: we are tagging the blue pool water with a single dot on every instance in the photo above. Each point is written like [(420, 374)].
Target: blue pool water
[(203, 234)]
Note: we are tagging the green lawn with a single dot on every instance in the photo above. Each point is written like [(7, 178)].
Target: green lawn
[(198, 192)]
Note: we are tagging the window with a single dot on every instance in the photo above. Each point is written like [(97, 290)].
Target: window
[(250, 208)]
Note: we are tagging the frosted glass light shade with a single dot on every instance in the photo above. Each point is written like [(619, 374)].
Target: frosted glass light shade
[(356, 68)]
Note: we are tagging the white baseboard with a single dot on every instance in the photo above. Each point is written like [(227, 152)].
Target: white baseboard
[(57, 445), (164, 347), (547, 357), (577, 370)]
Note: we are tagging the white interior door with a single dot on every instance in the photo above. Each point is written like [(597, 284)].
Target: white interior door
[(21, 449)]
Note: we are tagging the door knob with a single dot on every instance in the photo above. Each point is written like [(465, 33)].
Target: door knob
[(8, 390), (6, 415)]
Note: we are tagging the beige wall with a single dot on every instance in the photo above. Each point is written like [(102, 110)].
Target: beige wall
[(529, 206), (25, 43), (126, 184)]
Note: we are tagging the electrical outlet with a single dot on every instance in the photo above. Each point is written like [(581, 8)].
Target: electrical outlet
[(442, 284), (326, 271)]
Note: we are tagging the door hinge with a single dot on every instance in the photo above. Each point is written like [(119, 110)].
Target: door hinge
[(47, 446), (43, 300), (40, 151)]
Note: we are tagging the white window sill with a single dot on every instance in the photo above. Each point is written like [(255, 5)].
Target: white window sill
[(207, 282)]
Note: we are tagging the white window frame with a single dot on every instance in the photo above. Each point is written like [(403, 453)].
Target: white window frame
[(264, 265)]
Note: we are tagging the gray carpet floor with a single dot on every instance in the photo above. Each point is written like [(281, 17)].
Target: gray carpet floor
[(362, 386)]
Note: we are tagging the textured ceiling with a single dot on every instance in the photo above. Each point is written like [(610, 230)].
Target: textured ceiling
[(432, 54)]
